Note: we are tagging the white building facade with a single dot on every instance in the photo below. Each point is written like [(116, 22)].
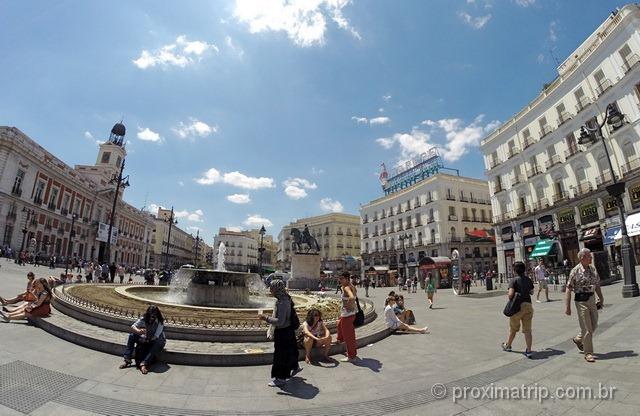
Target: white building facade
[(543, 184), (241, 250), (429, 218)]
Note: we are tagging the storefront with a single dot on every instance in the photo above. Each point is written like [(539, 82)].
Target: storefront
[(591, 237), (529, 237), (568, 235), (439, 267), (633, 231), (506, 235)]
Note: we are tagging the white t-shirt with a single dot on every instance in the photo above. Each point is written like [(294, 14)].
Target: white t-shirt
[(541, 274), (390, 317)]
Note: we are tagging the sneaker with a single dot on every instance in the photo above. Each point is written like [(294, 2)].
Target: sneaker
[(506, 347), (537, 300), (276, 382), (431, 306), (296, 371), (528, 354), (348, 360), (548, 300)]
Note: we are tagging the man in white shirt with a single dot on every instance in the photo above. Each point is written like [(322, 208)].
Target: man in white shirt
[(543, 280)]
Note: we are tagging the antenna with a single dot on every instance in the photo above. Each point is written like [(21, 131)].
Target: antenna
[(144, 207), (556, 60)]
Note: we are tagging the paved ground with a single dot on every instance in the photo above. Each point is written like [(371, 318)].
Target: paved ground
[(43, 375)]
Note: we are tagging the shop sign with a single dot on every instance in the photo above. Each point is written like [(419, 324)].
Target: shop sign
[(526, 228), (547, 228), (531, 241), (566, 219), (509, 246), (634, 194), (588, 213), (610, 205), (507, 234)]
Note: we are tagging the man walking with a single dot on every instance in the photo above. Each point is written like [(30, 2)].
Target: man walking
[(366, 283), (543, 280)]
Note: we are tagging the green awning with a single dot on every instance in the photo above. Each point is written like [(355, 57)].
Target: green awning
[(266, 269), (541, 249)]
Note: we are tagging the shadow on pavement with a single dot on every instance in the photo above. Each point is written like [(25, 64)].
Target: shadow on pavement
[(298, 387), (612, 355), (370, 363), (159, 367), (546, 354)]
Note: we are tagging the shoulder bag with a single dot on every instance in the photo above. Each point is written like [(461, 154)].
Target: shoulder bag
[(359, 320), (513, 305)]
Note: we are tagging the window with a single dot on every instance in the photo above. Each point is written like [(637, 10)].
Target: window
[(384, 245), (526, 134), (581, 175), (551, 151), (452, 210), (625, 54), (119, 160), (433, 236), (17, 182), (544, 126), (629, 151), (581, 99), (54, 196), (431, 218), (76, 209), (571, 142), (452, 231), (105, 157), (37, 196), (65, 201)]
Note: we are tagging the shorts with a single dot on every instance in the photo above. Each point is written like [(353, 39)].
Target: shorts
[(524, 316), (543, 284)]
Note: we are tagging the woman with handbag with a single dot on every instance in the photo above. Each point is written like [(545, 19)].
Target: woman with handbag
[(346, 327), (284, 323), (520, 291)]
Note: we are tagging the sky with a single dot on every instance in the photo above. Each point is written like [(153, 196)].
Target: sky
[(242, 113)]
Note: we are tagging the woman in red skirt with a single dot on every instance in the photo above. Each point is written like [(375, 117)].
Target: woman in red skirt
[(40, 307)]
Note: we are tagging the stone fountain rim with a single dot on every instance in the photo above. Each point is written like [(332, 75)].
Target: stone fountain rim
[(123, 290)]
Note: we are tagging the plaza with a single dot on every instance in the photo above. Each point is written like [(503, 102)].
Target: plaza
[(44, 375)]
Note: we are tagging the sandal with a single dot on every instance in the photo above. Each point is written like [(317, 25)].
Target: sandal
[(506, 347), (125, 364), (143, 369), (589, 358), (578, 344)]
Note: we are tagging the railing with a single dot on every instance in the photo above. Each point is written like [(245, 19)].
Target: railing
[(583, 102), (544, 130), (464, 199), (604, 85), (430, 220), (563, 118), (51, 206), (455, 239), (522, 211), (517, 179), (572, 151), (64, 211), (37, 200), (499, 188), (512, 152), (603, 179), (554, 160), (561, 196), (467, 218), (85, 220), (582, 189), (535, 170), (541, 204), (451, 198), (630, 166), (528, 141), (60, 231), (630, 62), (17, 191), (453, 217), (493, 163)]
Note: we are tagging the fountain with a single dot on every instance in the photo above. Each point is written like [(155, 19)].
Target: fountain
[(222, 250)]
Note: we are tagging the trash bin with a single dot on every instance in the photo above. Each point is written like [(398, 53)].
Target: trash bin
[(489, 281)]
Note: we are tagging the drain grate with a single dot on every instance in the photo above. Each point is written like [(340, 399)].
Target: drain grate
[(25, 387)]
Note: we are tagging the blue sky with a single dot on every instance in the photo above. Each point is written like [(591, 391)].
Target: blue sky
[(246, 112)]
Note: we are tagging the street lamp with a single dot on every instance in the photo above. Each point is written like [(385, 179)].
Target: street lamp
[(195, 263), (590, 134), (171, 220), (72, 233), (404, 254), (119, 181), (261, 249), (29, 213)]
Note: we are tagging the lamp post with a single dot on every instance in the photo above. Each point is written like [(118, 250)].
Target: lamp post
[(404, 255), (72, 233), (261, 249), (590, 134), (195, 263), (119, 181), (171, 221), (29, 213)]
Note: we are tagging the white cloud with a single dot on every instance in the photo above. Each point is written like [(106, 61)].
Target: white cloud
[(386, 97), (180, 53), (194, 128), (540, 58), (330, 205), (180, 183), (257, 220), (148, 135), (295, 188), (379, 120), (235, 178), (475, 22), (304, 22), (525, 3), (380, 110), (237, 50), (88, 135), (234, 228), (153, 208), (316, 171), (195, 216), (553, 37), (411, 144), (360, 120), (239, 198)]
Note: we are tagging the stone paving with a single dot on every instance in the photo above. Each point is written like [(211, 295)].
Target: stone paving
[(395, 375)]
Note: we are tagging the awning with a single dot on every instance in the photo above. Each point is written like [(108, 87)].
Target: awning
[(591, 234), (541, 249), (609, 236), (633, 225), (434, 262), (381, 268), (481, 236)]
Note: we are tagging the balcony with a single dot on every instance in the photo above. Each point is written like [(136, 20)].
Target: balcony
[(563, 118), (467, 218), (453, 217), (559, 197), (583, 102), (604, 86), (383, 232), (630, 167), (85, 219), (37, 200), (541, 204), (522, 211), (47, 226), (512, 152), (365, 235), (493, 163), (64, 211), (572, 151), (33, 222), (60, 231), (451, 198), (418, 224), (517, 180), (16, 191), (544, 130), (527, 141), (604, 179), (553, 160), (535, 170), (582, 189), (430, 220), (498, 188), (51, 206), (630, 62), (374, 234)]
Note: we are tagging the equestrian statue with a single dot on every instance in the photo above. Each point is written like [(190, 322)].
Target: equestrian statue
[(304, 237)]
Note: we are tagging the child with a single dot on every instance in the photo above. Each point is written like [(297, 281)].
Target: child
[(394, 323)]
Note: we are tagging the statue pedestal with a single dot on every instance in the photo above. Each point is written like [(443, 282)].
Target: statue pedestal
[(305, 271)]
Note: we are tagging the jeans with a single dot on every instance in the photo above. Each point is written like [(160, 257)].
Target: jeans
[(153, 349)]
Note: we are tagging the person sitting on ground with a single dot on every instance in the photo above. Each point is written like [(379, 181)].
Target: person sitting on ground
[(316, 334), (79, 278), (147, 338), (405, 315), (26, 296), (39, 308), (396, 324)]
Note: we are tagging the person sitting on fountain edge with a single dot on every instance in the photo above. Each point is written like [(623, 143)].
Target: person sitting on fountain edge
[(147, 337)]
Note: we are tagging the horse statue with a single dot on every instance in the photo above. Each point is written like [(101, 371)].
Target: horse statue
[(300, 238)]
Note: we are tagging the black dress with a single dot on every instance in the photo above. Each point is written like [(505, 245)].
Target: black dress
[(285, 351)]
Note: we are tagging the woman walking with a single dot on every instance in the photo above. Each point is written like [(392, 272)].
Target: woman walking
[(584, 281), (283, 322), (523, 287), (346, 329), (431, 289)]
